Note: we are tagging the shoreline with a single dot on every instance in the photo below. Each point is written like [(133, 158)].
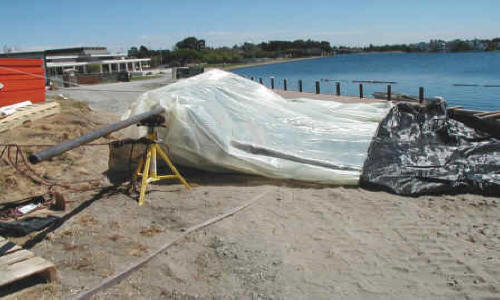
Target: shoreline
[(269, 62)]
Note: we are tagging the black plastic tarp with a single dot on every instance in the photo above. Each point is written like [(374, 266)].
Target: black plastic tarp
[(25, 226), (420, 150)]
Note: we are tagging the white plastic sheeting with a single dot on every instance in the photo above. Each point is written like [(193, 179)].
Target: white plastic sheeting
[(219, 121)]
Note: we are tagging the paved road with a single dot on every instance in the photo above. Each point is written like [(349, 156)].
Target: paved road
[(112, 97)]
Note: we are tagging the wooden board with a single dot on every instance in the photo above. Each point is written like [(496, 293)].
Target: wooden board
[(7, 247), (18, 264), (29, 113)]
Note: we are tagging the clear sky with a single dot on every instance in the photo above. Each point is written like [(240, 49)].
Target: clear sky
[(38, 24)]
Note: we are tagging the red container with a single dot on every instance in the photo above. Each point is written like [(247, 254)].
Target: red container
[(22, 80)]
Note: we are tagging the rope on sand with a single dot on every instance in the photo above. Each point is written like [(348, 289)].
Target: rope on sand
[(112, 280)]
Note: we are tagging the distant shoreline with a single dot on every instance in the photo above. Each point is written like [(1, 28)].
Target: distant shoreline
[(230, 67), (235, 66)]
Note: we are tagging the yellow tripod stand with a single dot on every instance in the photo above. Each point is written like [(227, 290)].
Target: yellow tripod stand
[(149, 172)]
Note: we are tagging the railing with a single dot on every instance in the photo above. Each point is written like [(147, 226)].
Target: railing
[(317, 87)]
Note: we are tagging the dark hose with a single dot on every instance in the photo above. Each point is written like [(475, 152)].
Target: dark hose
[(70, 144)]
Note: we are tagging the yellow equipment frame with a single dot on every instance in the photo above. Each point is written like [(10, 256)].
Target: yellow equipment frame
[(149, 173)]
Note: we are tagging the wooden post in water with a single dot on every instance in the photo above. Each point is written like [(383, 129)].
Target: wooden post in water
[(389, 92), (284, 84), (421, 94), (272, 82), (360, 90), (317, 87), (260, 80), (300, 85), (337, 88)]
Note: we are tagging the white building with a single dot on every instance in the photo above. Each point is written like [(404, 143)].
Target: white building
[(83, 60)]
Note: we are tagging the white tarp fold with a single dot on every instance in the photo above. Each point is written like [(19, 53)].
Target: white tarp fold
[(219, 121)]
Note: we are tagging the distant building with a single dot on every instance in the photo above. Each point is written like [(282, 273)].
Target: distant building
[(82, 60), (437, 46)]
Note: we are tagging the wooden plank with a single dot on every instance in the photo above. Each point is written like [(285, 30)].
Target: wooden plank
[(27, 110), (15, 257), (23, 269), (29, 113), (7, 247), (17, 264)]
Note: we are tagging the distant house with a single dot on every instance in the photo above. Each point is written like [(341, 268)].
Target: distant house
[(437, 46), (82, 60), (477, 45)]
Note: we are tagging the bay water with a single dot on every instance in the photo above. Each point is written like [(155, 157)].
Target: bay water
[(470, 79)]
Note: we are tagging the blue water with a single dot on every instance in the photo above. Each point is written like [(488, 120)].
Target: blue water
[(436, 72)]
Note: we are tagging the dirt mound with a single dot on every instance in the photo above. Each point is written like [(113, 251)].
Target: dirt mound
[(75, 119)]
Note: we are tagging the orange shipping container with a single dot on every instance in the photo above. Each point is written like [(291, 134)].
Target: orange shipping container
[(22, 80)]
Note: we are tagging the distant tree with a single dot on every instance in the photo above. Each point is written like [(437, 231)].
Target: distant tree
[(143, 52), (185, 56), (93, 68), (249, 50), (493, 45), (459, 46), (190, 43), (325, 46), (133, 52)]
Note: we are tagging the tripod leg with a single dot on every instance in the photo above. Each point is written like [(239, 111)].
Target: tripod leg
[(171, 166), (145, 176), (152, 167), (138, 170)]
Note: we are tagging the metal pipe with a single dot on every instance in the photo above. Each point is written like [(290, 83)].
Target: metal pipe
[(70, 144)]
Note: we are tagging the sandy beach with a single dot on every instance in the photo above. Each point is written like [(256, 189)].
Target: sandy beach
[(229, 67)]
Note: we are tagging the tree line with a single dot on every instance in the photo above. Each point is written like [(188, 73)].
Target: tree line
[(456, 45), (193, 50)]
